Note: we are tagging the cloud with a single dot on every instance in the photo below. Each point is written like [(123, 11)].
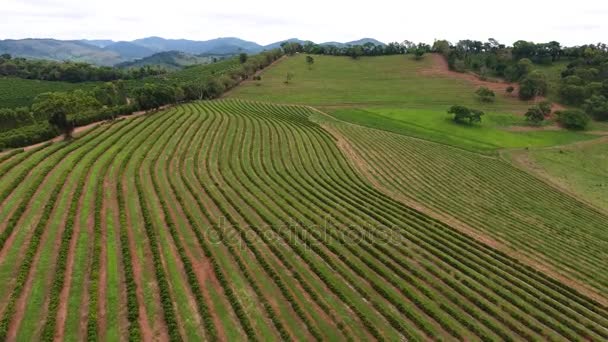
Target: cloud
[(266, 21)]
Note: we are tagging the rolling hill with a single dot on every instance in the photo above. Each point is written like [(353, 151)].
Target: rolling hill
[(59, 50)]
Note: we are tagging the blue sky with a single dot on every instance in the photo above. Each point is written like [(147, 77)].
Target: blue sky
[(266, 21)]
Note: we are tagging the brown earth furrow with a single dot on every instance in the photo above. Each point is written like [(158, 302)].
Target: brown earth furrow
[(159, 332), (44, 239), (112, 206)]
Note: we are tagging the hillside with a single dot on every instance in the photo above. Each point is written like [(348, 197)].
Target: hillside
[(238, 220), (59, 50), (170, 60), (399, 94)]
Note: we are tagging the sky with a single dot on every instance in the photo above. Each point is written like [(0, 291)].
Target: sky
[(267, 21)]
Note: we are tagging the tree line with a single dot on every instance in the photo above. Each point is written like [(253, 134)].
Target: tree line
[(60, 112), (69, 71), (356, 51), (584, 82)]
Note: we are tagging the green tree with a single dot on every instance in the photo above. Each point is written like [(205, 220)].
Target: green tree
[(535, 115), (485, 94), (463, 114), (597, 106), (573, 119), (288, 77), (535, 84), (545, 107), (510, 90), (310, 61), (243, 58)]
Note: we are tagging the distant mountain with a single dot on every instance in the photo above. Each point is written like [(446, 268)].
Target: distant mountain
[(213, 46), (364, 41), (129, 51), (108, 52), (336, 44), (278, 44), (101, 43), (170, 60), (59, 50)]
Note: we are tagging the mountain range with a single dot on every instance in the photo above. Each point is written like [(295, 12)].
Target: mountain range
[(109, 52)]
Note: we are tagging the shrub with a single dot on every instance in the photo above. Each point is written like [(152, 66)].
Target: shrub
[(463, 114), (535, 115), (485, 94), (545, 107), (532, 85), (510, 89), (573, 119), (597, 106)]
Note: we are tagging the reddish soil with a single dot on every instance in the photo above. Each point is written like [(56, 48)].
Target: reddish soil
[(530, 260), (62, 312), (103, 275), (112, 206), (440, 68), (23, 299), (146, 331)]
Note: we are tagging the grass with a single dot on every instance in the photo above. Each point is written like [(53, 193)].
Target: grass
[(261, 200), (395, 93), (429, 124), (582, 169)]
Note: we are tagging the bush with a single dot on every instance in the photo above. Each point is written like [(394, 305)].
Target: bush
[(532, 85), (463, 114), (535, 115), (510, 89), (485, 94), (573, 119), (545, 107)]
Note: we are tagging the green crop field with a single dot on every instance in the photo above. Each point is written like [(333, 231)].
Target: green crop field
[(18, 92), (401, 95), (488, 195), (234, 220)]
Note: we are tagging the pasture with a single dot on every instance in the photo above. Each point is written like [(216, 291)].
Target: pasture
[(401, 95)]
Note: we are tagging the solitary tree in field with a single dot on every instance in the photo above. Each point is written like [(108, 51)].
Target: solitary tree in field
[(510, 90), (485, 94), (535, 115), (288, 77), (310, 61), (463, 114), (243, 58)]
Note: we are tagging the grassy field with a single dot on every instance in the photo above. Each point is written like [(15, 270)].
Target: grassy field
[(232, 220), (18, 92), (401, 95), (580, 168)]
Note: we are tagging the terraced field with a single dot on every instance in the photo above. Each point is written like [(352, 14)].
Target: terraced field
[(232, 220), (488, 195)]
